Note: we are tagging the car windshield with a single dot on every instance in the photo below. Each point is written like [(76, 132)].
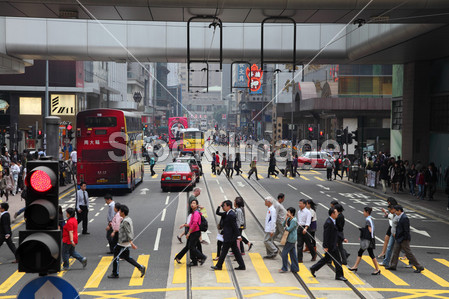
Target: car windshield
[(188, 160), (180, 167)]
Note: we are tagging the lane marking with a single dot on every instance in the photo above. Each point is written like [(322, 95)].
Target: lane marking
[(223, 275), (294, 188), (163, 214), (213, 175), (305, 273), (318, 178), (71, 262), (218, 182), (91, 220), (102, 208), (388, 274), (221, 190), (275, 177), (179, 271), (158, 238), (304, 178), (98, 213), (225, 197), (261, 268), (154, 176), (167, 199), (306, 195), (351, 277), (136, 280), (99, 272), (259, 176), (443, 261), (432, 276), (11, 281)]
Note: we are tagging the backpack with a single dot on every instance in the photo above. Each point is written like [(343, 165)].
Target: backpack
[(203, 225)]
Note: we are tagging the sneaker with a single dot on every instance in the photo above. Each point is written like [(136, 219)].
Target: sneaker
[(84, 262), (113, 276)]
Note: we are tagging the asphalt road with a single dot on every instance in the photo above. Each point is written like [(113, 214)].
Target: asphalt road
[(154, 213)]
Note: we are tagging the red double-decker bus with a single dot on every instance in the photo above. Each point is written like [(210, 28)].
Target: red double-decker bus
[(109, 146), (175, 127)]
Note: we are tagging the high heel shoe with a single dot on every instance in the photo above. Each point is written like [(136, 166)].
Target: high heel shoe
[(353, 269), (376, 273)]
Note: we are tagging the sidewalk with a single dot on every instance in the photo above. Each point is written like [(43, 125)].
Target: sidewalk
[(437, 207), (16, 202)]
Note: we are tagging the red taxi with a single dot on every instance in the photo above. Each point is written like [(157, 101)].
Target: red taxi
[(178, 175), (193, 164), (313, 159)]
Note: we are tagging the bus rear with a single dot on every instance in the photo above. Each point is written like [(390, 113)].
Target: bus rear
[(193, 141), (103, 158)]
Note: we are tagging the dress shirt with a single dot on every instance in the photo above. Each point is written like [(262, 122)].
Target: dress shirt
[(270, 220), (82, 199), (111, 211), (304, 217)]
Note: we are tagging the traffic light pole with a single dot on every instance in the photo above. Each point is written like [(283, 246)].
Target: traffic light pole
[(52, 126)]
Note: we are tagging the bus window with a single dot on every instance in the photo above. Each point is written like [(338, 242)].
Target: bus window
[(95, 122)]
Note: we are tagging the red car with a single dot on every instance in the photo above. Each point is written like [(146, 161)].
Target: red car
[(193, 164), (178, 175), (313, 159)]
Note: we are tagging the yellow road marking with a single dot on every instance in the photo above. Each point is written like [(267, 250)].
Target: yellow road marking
[(304, 178), (275, 177), (67, 193), (18, 224), (261, 268), (179, 273), (432, 276), (318, 178), (136, 280), (390, 276), (99, 272), (154, 176), (443, 261), (259, 176), (62, 272), (291, 178), (306, 275), (213, 175), (244, 175), (12, 280), (223, 275), (351, 276)]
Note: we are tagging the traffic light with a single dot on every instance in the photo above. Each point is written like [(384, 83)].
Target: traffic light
[(145, 128), (40, 244), (31, 132), (39, 134), (69, 131), (349, 138), (339, 134), (355, 135)]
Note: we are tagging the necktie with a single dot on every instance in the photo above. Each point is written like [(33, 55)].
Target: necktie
[(84, 196)]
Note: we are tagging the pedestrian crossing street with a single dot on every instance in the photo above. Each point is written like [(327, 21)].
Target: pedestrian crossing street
[(306, 175), (254, 263)]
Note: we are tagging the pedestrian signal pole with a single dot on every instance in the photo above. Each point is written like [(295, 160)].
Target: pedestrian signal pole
[(40, 244)]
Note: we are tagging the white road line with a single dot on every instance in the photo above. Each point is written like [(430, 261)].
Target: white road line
[(91, 220), (218, 182), (225, 197), (328, 195), (102, 209), (294, 188), (335, 198), (97, 214), (158, 238), (306, 195), (167, 199), (163, 214), (351, 207), (221, 189)]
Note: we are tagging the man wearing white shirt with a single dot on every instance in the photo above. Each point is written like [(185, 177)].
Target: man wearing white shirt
[(270, 228), (82, 206), (281, 212), (110, 217), (304, 220), (73, 157)]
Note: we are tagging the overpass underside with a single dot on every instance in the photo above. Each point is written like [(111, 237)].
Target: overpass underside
[(23, 39)]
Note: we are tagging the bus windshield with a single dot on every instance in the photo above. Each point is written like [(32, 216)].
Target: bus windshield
[(96, 122), (193, 135)]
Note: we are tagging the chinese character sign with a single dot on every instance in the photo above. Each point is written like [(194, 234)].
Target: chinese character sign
[(241, 78), (254, 79)]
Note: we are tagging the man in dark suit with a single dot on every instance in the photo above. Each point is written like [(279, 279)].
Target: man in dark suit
[(230, 235), (402, 242), (5, 227), (330, 237)]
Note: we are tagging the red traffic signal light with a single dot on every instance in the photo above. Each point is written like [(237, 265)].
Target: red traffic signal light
[(310, 129), (321, 133), (69, 127), (40, 181)]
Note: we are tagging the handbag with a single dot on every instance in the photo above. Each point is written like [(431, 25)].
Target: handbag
[(284, 237), (364, 244)]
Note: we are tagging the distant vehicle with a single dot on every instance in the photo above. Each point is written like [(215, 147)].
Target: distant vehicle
[(103, 164), (193, 164), (178, 175), (192, 141), (175, 127), (313, 159)]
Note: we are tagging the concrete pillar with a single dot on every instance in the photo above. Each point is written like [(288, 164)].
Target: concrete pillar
[(52, 127), (416, 112)]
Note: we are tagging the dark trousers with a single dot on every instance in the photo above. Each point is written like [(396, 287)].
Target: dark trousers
[(405, 246), (121, 252), (152, 171), (82, 217), (341, 250), (333, 255), (213, 167), (186, 248), (195, 254), (9, 242), (304, 239), (343, 170), (224, 252), (229, 172), (111, 240), (251, 171), (329, 173)]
